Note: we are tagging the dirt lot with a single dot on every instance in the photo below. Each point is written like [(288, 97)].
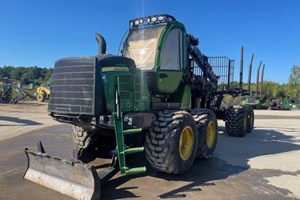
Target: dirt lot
[(23, 117), (263, 165)]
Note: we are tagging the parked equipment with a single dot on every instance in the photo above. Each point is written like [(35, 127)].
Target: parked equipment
[(160, 97), (6, 95), (43, 92)]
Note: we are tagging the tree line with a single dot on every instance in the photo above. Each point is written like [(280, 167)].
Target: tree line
[(290, 89), (27, 75), (40, 75), (271, 88)]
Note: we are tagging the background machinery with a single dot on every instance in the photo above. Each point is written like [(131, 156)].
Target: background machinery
[(7, 87), (160, 97), (43, 92)]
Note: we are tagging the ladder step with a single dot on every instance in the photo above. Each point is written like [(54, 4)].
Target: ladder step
[(136, 170), (132, 131), (133, 150)]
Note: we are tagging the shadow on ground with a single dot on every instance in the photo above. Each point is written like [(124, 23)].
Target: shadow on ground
[(231, 158), (21, 122), (228, 160)]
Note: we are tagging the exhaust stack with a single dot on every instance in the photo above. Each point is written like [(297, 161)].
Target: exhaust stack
[(101, 44)]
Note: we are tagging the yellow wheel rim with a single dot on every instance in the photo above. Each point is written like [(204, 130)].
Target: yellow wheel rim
[(39, 97), (186, 143), (211, 134)]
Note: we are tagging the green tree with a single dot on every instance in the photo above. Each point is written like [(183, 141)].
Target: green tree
[(48, 75), (234, 84), (6, 71), (16, 73), (293, 88), (27, 74), (294, 78)]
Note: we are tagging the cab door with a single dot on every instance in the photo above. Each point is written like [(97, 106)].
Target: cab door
[(170, 70)]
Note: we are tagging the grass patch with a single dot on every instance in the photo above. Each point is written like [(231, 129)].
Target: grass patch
[(29, 92)]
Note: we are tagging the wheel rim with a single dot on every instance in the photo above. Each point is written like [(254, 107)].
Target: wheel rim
[(245, 121), (39, 97), (251, 120), (186, 143), (210, 134)]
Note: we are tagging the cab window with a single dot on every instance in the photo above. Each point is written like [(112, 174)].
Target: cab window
[(171, 51)]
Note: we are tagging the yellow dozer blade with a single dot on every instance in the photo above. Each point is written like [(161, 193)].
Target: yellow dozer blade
[(74, 179)]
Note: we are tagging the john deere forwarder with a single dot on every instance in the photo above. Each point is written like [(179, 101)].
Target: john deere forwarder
[(159, 97)]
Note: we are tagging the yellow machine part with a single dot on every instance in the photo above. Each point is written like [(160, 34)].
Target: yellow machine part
[(44, 90)]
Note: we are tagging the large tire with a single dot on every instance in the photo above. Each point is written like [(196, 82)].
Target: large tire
[(90, 145), (250, 119), (236, 121), (207, 127), (41, 97), (82, 144), (171, 144)]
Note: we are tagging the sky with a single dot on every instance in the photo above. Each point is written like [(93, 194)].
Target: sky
[(37, 33)]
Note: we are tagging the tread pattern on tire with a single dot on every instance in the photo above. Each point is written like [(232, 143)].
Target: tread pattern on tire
[(82, 140), (89, 145), (202, 118), (162, 142), (234, 121), (81, 137)]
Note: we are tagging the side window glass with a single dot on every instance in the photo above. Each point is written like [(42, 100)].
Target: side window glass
[(171, 51)]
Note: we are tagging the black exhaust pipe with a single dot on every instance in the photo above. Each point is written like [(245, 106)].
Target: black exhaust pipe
[(101, 44), (257, 78), (250, 73)]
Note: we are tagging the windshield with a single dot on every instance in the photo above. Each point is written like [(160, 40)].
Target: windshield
[(141, 46)]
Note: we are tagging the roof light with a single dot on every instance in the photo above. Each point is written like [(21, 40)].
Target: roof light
[(153, 19), (150, 20), (136, 22), (161, 18)]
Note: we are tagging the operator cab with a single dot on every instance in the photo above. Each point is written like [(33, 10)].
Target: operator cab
[(156, 45)]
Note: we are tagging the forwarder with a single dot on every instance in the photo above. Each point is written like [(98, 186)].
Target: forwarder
[(159, 97)]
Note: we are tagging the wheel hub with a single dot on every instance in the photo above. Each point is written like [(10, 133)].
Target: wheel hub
[(186, 143), (210, 134)]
